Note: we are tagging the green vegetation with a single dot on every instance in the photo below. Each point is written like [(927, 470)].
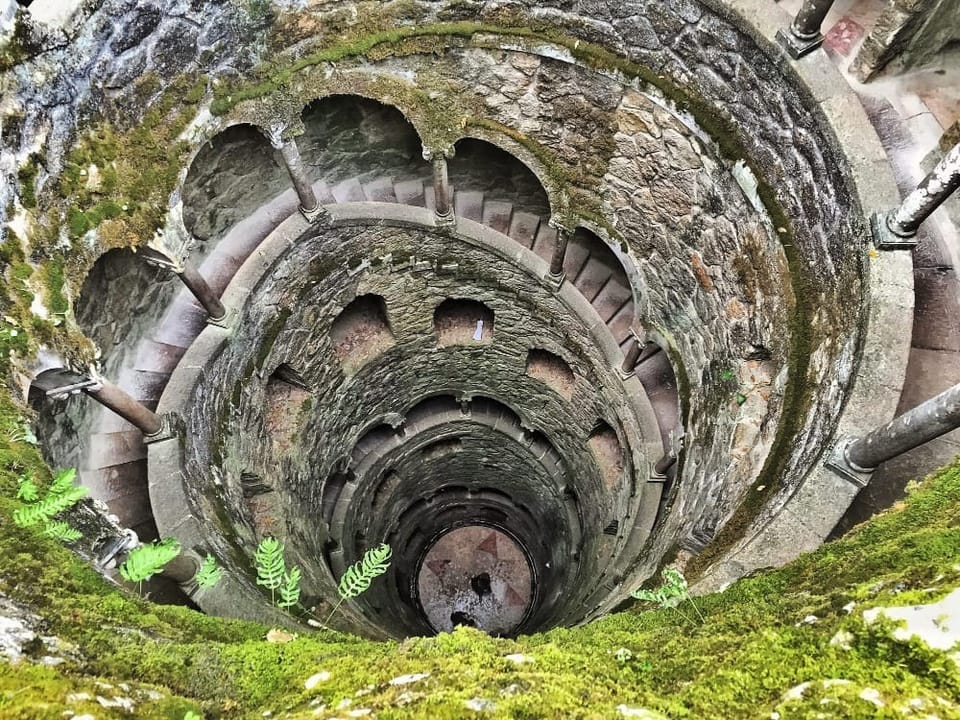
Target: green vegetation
[(61, 496), (145, 561), (209, 573), (272, 574), (669, 595), (356, 580)]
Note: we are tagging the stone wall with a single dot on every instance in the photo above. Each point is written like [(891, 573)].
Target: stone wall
[(909, 34)]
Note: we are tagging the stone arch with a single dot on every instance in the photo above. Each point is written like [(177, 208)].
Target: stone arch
[(228, 178), (552, 370), (601, 276), (352, 138), (361, 332), (522, 155), (608, 452), (480, 166), (461, 321)]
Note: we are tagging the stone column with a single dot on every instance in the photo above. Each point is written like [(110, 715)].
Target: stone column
[(936, 187), (183, 568), (118, 401), (290, 153), (204, 294), (192, 279), (804, 35), (856, 458), (632, 356), (443, 203), (559, 252)]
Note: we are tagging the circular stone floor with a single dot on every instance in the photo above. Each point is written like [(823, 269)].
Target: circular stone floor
[(475, 576)]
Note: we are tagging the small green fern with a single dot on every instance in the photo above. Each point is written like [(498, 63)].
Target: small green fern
[(671, 594), (358, 576), (27, 489), (146, 561), (53, 504), (63, 481), (270, 565), (209, 573), (290, 589), (59, 530)]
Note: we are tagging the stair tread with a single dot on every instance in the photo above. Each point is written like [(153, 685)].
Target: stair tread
[(349, 190), (611, 299), (323, 193), (380, 190), (156, 356), (619, 325), (114, 448), (496, 214), (592, 278), (143, 384), (545, 241), (523, 227), (410, 192), (469, 204)]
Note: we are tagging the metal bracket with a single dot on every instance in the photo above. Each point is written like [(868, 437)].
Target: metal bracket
[(837, 462), (795, 47), (228, 321), (885, 239), (167, 431), (315, 214)]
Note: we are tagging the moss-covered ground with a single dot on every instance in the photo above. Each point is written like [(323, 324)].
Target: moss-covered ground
[(756, 641)]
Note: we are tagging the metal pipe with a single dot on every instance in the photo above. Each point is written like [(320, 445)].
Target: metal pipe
[(441, 188), (664, 464), (131, 410), (559, 252), (929, 420), (202, 291), (936, 187)]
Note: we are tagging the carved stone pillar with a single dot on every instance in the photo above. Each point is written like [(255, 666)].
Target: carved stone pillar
[(443, 203), (309, 205), (131, 410)]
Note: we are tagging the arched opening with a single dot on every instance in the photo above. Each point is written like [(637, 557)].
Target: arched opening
[(552, 370), (286, 401), (459, 321), (361, 149), (598, 274), (605, 446), (233, 175), (491, 185), (361, 332)]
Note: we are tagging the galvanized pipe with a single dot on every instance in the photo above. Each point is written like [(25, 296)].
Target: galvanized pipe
[(929, 420), (936, 187)]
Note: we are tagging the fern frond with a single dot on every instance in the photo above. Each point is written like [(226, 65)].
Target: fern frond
[(358, 576), (27, 489), (270, 564), (290, 589), (44, 510), (147, 560), (209, 573), (59, 530), (63, 481)]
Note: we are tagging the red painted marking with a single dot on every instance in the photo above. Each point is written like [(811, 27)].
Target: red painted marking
[(844, 35), (490, 545)]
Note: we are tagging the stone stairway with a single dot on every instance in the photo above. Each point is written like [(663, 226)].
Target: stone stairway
[(115, 463)]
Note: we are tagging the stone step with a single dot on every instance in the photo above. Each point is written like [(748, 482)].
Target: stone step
[(157, 357), (523, 228), (591, 280), (106, 449), (349, 190), (545, 241), (123, 488), (656, 376), (574, 260), (496, 215), (611, 299), (619, 324), (323, 193), (410, 192), (143, 384), (380, 190), (468, 204)]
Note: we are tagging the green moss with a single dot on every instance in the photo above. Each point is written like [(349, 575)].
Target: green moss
[(53, 273), (27, 177)]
